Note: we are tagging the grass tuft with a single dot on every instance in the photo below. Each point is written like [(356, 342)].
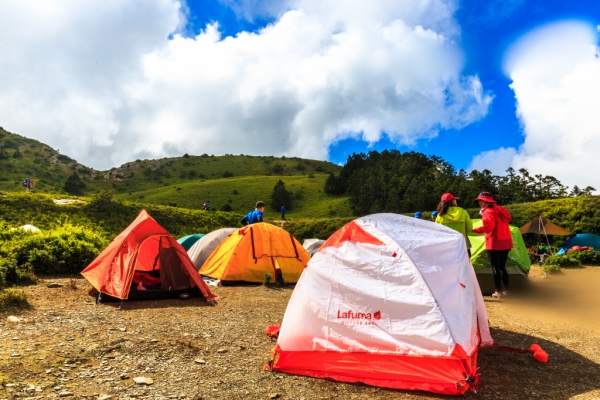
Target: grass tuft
[(13, 299)]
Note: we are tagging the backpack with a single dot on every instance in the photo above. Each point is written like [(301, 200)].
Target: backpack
[(25, 182)]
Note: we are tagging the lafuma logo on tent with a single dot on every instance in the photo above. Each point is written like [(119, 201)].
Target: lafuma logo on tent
[(357, 318)]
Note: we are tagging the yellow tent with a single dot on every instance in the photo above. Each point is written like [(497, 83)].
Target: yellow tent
[(254, 250)]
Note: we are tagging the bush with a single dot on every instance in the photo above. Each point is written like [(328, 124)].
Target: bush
[(550, 268), (562, 261), (586, 257), (65, 250), (13, 299)]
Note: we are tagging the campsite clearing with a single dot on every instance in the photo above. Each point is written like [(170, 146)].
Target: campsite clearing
[(65, 344)]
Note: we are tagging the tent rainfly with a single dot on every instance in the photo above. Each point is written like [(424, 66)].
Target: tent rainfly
[(389, 301), (543, 227), (147, 251), (204, 247), (188, 241), (255, 250)]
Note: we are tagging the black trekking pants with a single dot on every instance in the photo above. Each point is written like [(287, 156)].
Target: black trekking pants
[(497, 259)]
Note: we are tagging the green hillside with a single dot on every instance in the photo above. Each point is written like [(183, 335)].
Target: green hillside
[(186, 181), (21, 157), (147, 174), (241, 194)]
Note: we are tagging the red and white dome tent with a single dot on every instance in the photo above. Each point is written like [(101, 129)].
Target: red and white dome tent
[(389, 301)]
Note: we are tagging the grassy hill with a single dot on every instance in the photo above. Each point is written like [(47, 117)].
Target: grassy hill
[(186, 181), (21, 157), (241, 193)]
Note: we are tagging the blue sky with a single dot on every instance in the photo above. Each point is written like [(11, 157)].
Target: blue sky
[(488, 28)]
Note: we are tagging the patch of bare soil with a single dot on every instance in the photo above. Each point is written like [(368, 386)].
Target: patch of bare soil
[(66, 346)]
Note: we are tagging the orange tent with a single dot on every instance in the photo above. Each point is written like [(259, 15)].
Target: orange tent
[(254, 250), (144, 246)]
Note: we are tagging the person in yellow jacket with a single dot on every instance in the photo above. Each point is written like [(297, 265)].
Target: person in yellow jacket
[(454, 217)]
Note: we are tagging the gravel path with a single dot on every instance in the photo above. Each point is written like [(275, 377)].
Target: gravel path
[(65, 346)]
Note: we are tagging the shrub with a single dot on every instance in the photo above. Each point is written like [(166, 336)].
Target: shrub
[(13, 299), (550, 268), (562, 261), (65, 250), (74, 185), (586, 257), (227, 208)]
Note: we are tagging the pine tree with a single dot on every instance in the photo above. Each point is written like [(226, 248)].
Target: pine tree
[(281, 196), (74, 184)]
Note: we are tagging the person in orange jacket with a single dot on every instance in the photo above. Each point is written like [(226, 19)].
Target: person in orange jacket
[(498, 239)]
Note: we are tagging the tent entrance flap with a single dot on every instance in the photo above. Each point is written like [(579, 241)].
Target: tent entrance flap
[(172, 274)]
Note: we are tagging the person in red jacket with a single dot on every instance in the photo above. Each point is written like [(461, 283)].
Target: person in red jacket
[(498, 239)]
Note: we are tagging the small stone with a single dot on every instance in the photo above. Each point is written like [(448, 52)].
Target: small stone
[(199, 361), (222, 351), (54, 285), (92, 347), (65, 394), (154, 341), (140, 380), (13, 319), (15, 355), (105, 397), (124, 376), (122, 329), (274, 396)]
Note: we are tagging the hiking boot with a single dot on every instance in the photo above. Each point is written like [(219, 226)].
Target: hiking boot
[(496, 295)]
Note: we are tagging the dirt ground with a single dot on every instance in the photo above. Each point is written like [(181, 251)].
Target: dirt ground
[(66, 346)]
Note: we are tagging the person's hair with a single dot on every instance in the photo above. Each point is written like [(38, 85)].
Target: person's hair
[(260, 204), (443, 207)]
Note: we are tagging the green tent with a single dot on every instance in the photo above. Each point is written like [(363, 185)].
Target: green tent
[(188, 241), (518, 258)]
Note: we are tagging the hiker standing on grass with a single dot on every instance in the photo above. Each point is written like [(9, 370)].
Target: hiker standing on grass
[(255, 215), (498, 239), (28, 184), (454, 217), (283, 212)]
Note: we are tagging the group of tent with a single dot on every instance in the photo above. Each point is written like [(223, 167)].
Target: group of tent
[(145, 261), (387, 300)]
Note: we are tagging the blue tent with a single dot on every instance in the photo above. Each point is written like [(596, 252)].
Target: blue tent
[(188, 241), (581, 239)]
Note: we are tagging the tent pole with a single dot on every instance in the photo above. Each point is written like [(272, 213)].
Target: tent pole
[(545, 234)]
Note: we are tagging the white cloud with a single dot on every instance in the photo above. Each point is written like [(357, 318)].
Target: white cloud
[(555, 75), (102, 81), (497, 161)]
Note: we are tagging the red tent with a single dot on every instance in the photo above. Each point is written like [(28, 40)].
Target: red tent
[(144, 246)]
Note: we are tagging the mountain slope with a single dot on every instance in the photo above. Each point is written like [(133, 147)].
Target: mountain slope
[(21, 157), (241, 193)]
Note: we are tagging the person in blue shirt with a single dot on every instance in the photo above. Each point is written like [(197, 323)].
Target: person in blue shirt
[(255, 215), (283, 213)]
